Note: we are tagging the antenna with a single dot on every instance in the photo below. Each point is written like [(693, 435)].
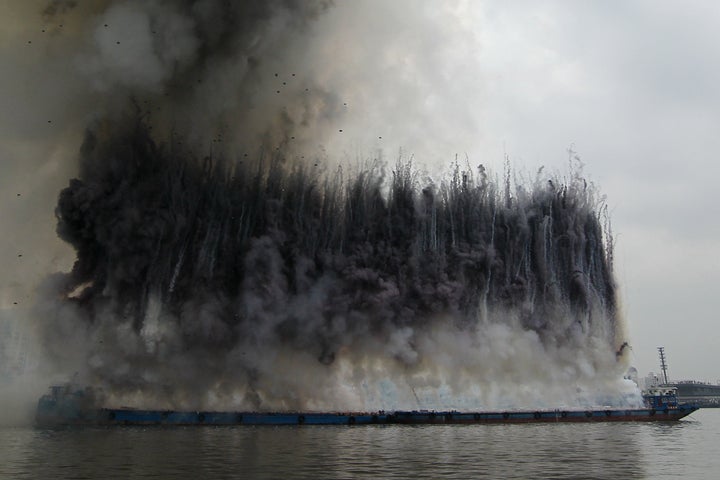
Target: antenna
[(663, 364)]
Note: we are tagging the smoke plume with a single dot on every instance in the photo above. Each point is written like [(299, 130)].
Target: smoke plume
[(222, 261)]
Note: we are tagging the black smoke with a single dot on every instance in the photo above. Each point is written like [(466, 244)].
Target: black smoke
[(273, 253), (262, 279)]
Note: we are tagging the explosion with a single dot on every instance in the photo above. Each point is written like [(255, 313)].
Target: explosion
[(264, 280)]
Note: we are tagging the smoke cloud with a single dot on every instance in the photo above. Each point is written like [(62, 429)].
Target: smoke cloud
[(222, 260)]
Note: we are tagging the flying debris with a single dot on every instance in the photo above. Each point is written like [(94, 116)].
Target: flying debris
[(277, 282), (207, 258)]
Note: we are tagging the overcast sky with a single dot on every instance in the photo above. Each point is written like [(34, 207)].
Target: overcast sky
[(631, 86)]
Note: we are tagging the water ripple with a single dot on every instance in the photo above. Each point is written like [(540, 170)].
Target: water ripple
[(557, 451)]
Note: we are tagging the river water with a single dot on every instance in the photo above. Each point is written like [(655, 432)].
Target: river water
[(689, 449)]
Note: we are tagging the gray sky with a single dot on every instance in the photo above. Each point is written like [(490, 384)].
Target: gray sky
[(630, 86)]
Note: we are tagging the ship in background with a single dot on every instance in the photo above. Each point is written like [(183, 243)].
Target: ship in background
[(702, 394), (698, 393)]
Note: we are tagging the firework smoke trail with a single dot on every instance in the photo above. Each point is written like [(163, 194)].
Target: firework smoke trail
[(265, 282)]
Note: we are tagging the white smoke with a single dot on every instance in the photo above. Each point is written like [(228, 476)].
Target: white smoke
[(291, 75), (138, 46)]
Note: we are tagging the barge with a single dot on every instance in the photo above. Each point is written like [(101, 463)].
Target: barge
[(65, 405)]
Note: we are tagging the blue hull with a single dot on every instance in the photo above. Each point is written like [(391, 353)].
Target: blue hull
[(158, 417), (67, 406)]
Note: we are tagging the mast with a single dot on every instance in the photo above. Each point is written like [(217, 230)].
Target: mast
[(663, 364)]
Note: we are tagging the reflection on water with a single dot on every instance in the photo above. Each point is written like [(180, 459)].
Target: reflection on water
[(622, 450)]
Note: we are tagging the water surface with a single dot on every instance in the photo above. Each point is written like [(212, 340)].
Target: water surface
[(688, 448)]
